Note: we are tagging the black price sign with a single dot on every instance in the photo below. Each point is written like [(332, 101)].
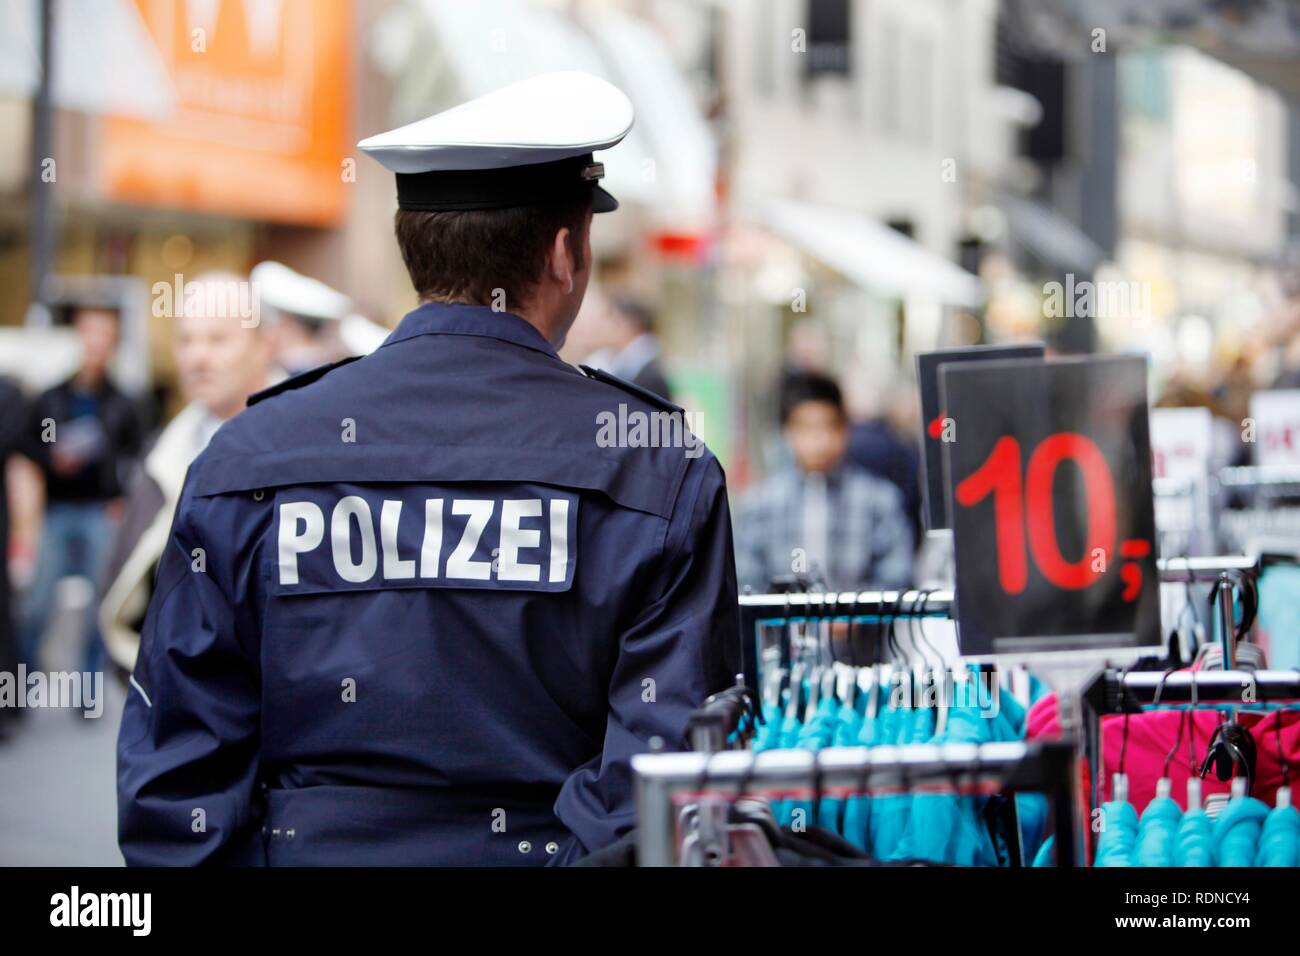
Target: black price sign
[(937, 424), (1049, 468)]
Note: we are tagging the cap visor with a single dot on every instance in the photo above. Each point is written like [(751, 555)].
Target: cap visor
[(602, 201)]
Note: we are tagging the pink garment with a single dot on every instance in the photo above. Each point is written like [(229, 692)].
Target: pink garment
[(1151, 736)]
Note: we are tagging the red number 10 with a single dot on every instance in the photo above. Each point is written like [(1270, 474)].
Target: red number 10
[(1014, 501)]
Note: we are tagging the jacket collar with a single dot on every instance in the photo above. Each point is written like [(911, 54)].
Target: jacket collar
[(439, 318)]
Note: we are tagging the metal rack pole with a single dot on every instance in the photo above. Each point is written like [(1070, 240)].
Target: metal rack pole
[(1205, 568), (1014, 766), (1113, 693), (755, 608)]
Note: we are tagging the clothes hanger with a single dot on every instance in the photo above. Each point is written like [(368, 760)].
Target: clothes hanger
[(1193, 779), (1119, 786), (855, 660), (812, 650), (886, 630), (750, 826), (941, 718), (1164, 785), (1119, 790), (1284, 789), (701, 844), (826, 646), (1198, 629), (905, 660), (795, 693), (921, 669), (888, 655), (923, 598), (1232, 744), (814, 693), (935, 679), (776, 682), (1230, 747), (846, 683)]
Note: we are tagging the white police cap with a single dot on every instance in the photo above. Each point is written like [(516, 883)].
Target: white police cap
[(281, 288), (524, 144)]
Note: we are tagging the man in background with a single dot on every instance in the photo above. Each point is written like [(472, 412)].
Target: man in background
[(83, 435), (219, 363), (823, 516), (12, 419), (624, 331)]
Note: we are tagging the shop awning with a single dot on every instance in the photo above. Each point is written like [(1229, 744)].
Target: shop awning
[(1261, 37), (869, 253), (104, 59), (682, 182), (1051, 238), (666, 164)]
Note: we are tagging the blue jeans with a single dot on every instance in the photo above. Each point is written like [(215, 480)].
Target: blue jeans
[(75, 541)]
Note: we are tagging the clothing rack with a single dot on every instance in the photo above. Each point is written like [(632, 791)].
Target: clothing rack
[(1117, 692), (666, 782), (729, 712), (1126, 692), (756, 609), (1204, 569), (1221, 570), (1191, 526), (1283, 478)]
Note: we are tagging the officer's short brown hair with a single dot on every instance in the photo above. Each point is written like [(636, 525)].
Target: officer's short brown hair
[(477, 256)]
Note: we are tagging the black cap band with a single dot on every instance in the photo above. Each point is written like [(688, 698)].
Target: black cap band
[(573, 177)]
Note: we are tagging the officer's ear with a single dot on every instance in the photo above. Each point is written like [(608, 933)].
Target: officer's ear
[(561, 264)]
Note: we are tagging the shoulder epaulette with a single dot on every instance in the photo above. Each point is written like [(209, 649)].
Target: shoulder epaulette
[(643, 393), (299, 380)]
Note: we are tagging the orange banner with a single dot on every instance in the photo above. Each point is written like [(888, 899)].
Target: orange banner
[(260, 125)]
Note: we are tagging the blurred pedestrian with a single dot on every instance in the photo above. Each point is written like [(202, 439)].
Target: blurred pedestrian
[(12, 419), (886, 445), (219, 362), (631, 349), (84, 435), (824, 516)]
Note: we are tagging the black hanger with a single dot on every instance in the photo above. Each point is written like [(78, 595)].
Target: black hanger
[(1178, 741), (1231, 746), (854, 660)]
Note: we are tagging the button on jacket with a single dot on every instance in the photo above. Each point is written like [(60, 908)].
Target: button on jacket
[(412, 611)]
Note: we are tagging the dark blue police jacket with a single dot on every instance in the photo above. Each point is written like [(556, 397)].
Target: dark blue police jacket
[(422, 609)]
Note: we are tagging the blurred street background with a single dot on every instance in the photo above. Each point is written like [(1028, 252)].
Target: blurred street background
[(811, 186)]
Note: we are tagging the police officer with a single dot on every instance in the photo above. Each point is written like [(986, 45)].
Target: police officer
[(420, 607)]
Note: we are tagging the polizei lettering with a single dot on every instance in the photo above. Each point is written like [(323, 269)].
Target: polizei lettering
[(384, 538)]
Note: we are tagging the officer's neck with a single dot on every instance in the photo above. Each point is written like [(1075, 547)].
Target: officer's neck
[(551, 315)]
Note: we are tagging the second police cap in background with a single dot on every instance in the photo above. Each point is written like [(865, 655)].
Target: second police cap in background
[(288, 291), (525, 144), (314, 303)]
